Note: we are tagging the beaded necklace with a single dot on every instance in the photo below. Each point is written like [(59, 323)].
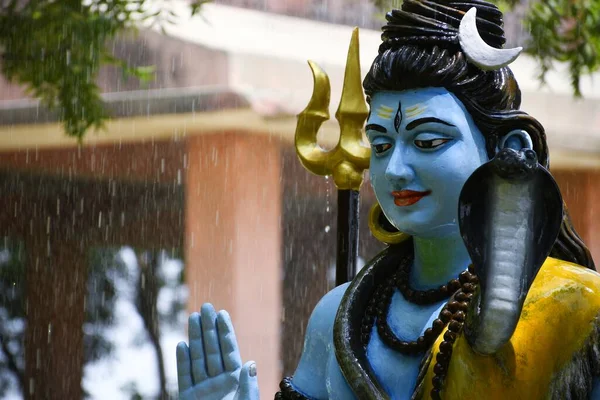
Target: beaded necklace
[(452, 314)]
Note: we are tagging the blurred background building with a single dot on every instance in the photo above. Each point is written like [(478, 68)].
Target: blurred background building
[(200, 166)]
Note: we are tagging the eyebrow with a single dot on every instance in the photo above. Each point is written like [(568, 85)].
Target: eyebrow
[(421, 121), (375, 127)]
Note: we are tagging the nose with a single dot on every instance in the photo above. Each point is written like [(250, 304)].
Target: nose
[(399, 170)]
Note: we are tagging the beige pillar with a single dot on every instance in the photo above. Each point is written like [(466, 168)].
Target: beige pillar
[(233, 240)]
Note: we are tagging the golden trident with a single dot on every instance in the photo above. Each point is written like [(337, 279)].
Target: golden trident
[(347, 161)]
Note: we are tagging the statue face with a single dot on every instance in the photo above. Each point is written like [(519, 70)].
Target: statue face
[(424, 147)]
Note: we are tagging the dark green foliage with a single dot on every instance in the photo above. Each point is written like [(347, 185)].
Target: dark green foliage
[(568, 31), (55, 49)]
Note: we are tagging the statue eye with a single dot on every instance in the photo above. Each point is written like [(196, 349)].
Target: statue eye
[(381, 148), (430, 144)]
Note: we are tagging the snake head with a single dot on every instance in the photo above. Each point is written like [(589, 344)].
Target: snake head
[(515, 165)]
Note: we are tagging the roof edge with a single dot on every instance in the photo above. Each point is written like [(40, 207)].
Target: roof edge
[(136, 103)]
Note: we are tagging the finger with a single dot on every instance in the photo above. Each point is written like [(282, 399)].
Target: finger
[(184, 367), (248, 389), (230, 352), (212, 350), (199, 372)]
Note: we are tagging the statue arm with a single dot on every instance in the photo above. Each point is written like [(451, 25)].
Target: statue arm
[(310, 377)]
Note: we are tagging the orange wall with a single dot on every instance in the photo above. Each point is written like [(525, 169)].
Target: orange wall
[(581, 192), (233, 240)]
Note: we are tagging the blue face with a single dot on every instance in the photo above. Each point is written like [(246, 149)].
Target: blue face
[(424, 147)]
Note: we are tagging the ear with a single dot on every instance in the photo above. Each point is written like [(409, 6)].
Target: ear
[(516, 140)]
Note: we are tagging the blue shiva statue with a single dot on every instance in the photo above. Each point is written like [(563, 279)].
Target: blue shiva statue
[(485, 290)]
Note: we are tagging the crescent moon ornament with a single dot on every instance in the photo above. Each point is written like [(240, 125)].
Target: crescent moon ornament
[(479, 52)]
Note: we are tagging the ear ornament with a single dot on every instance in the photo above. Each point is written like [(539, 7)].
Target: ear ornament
[(382, 229)]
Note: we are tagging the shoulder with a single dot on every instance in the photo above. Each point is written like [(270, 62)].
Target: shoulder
[(310, 376), (563, 278), (560, 325), (551, 347), (323, 315), (564, 302)]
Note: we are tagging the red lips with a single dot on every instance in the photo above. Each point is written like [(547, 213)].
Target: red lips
[(404, 198)]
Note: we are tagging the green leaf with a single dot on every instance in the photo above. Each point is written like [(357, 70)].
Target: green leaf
[(55, 49)]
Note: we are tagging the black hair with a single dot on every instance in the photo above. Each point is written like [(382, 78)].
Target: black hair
[(421, 49)]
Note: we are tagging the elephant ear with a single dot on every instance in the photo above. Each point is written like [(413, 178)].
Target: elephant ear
[(475, 208)]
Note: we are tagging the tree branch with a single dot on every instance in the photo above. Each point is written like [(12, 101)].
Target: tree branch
[(148, 289)]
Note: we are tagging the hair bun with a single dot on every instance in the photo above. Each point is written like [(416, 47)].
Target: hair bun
[(426, 21)]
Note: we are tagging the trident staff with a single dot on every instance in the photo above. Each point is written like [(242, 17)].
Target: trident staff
[(347, 161)]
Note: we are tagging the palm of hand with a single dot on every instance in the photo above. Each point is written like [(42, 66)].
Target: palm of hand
[(220, 387), (211, 367)]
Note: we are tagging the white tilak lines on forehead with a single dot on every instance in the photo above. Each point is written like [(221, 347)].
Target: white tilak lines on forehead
[(384, 112), (415, 110)]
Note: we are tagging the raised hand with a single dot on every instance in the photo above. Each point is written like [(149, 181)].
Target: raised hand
[(211, 367)]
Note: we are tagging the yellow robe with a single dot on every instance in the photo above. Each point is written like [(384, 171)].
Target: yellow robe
[(558, 324)]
